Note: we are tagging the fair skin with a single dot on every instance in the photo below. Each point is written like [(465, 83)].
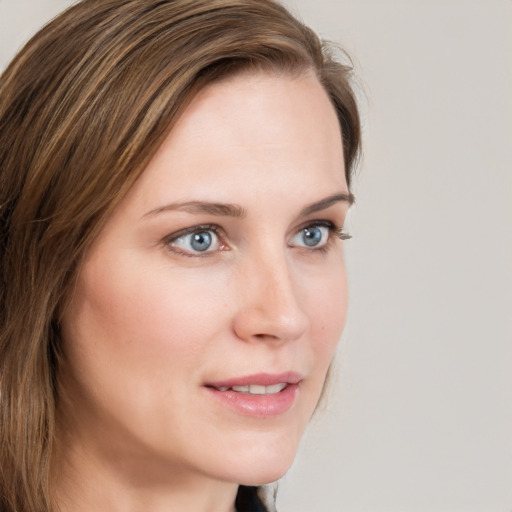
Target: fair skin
[(163, 309)]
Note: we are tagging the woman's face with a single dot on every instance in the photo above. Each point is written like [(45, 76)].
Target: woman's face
[(222, 268)]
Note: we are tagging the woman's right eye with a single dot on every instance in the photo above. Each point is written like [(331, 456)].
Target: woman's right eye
[(198, 241)]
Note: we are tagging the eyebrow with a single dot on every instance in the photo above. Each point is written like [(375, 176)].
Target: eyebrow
[(342, 197), (235, 210), (221, 209)]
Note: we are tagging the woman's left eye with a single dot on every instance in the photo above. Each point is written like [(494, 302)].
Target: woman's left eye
[(202, 240), (314, 236)]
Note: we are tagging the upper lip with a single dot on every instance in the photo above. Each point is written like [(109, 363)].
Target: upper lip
[(259, 379)]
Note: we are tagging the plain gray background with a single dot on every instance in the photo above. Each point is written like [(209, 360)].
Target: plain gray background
[(420, 416)]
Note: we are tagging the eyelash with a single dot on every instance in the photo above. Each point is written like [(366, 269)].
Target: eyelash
[(168, 240), (334, 232)]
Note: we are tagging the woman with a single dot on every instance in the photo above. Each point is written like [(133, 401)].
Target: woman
[(174, 180)]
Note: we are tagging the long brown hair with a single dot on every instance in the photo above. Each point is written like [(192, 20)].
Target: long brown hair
[(83, 108)]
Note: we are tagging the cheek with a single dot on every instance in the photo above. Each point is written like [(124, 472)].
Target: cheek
[(328, 311), (134, 348), (327, 301), (145, 319)]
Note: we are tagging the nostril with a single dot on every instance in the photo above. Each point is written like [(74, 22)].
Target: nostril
[(265, 336)]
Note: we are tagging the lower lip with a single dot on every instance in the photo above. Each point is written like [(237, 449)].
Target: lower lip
[(258, 406)]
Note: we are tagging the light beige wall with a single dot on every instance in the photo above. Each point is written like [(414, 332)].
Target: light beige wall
[(421, 417)]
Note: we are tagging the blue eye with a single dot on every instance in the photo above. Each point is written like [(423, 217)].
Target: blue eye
[(201, 240), (312, 236)]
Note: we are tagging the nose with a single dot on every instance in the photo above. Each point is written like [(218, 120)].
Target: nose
[(269, 306)]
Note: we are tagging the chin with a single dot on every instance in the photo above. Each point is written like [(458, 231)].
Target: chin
[(269, 464), (264, 476), (268, 478)]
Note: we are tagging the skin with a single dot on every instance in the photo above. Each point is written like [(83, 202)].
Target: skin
[(151, 321)]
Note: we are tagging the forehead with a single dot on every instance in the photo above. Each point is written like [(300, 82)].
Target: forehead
[(255, 109), (257, 128)]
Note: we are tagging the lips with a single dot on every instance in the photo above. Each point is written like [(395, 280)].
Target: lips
[(261, 395)]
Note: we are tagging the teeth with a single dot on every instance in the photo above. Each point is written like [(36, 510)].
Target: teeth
[(276, 388), (241, 389), (256, 389)]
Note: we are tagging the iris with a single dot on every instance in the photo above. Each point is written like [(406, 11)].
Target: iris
[(312, 236), (201, 241)]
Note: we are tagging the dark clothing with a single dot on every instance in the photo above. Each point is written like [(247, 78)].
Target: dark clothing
[(247, 500)]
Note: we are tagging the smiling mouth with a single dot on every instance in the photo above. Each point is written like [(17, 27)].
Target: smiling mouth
[(261, 395), (255, 389)]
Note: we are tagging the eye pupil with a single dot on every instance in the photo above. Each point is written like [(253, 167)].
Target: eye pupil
[(201, 241), (312, 236)]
